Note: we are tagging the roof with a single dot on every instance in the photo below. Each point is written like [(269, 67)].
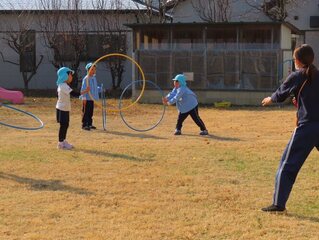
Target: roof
[(204, 24), (14, 5)]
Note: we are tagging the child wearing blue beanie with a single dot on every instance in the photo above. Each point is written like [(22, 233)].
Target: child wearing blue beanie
[(186, 103), (63, 105)]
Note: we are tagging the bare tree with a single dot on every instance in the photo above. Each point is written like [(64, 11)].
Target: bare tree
[(156, 10), (62, 28), (21, 38), (213, 10), (111, 37), (275, 9)]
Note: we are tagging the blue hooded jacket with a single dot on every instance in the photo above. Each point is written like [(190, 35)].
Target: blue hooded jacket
[(184, 98)]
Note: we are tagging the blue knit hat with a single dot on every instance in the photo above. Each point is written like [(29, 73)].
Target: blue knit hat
[(88, 66), (181, 79), (63, 74)]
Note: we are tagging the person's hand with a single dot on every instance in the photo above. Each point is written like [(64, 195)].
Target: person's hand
[(164, 100), (294, 101), (87, 89), (266, 101)]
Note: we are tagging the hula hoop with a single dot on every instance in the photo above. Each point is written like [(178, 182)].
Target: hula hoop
[(120, 108), (24, 112), (117, 55)]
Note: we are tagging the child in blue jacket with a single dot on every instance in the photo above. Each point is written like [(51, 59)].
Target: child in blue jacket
[(88, 102), (186, 103)]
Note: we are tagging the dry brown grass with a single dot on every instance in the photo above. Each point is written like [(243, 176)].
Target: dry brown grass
[(122, 184)]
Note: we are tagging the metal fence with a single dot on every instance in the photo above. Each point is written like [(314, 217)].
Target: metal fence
[(214, 69)]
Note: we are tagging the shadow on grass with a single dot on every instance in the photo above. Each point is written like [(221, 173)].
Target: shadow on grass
[(114, 155), (136, 135), (304, 218), (212, 136), (44, 185)]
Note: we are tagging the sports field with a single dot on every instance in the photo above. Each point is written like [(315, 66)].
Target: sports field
[(122, 184)]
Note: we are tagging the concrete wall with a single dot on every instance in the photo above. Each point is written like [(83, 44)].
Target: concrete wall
[(248, 98)]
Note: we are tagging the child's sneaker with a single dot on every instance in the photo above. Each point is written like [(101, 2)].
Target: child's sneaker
[(92, 127), (178, 132), (203, 133), (67, 145), (60, 145), (87, 128)]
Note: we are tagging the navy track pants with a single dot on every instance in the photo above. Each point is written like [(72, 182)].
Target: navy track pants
[(304, 139)]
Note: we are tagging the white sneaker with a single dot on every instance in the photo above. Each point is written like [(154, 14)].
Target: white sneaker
[(60, 145), (67, 145)]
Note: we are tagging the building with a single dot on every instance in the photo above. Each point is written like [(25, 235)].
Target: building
[(240, 60), (65, 34), (239, 55), (237, 62)]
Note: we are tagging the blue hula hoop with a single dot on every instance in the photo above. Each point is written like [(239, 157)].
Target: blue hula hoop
[(24, 112), (121, 113)]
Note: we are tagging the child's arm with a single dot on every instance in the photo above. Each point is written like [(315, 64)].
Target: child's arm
[(84, 89), (75, 93), (171, 94), (179, 94)]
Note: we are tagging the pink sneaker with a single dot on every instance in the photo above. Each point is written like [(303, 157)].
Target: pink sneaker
[(67, 145)]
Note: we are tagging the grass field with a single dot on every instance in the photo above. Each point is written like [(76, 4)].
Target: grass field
[(121, 184)]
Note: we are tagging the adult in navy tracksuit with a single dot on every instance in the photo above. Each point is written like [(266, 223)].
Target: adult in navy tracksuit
[(186, 103), (304, 85)]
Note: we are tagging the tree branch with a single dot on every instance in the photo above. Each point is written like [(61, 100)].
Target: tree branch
[(8, 60)]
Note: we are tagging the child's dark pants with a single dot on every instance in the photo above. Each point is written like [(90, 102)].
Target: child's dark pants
[(87, 111), (63, 117), (195, 117)]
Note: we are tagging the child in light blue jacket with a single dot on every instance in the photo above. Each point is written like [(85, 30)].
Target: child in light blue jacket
[(186, 103), (88, 99)]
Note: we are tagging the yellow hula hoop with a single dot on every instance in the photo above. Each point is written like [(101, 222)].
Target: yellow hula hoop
[(133, 61)]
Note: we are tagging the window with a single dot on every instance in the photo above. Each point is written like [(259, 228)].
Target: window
[(91, 46), (28, 50)]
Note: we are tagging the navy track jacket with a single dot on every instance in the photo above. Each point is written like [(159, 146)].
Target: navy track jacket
[(307, 96)]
